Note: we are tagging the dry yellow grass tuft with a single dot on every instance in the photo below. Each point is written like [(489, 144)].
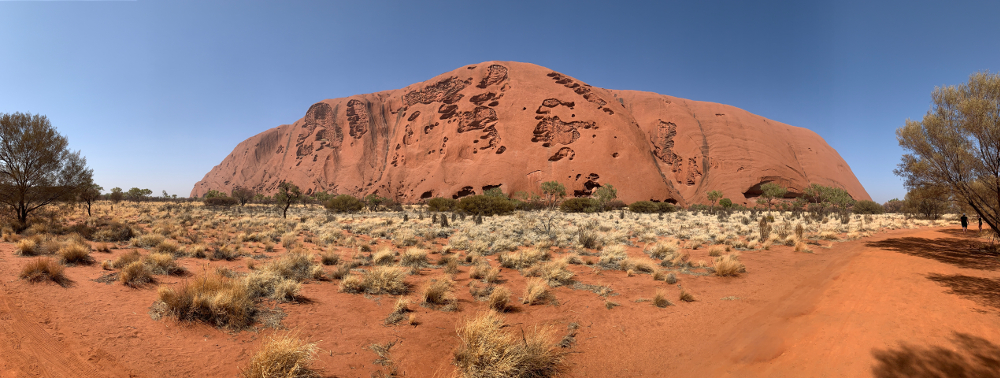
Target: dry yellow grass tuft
[(439, 293), (163, 263), (535, 292), (384, 256), (687, 297), (44, 269), (378, 280), (414, 258), (213, 298), (716, 250), (74, 253), (661, 250), (728, 265), (126, 259), (499, 299), (487, 349), (27, 247), (136, 274), (285, 356), (660, 299)]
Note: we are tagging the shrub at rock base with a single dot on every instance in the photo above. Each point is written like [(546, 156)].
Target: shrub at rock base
[(485, 205), (441, 204), (644, 207), (579, 205), (344, 204)]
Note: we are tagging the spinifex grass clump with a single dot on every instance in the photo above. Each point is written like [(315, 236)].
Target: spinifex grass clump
[(489, 349)]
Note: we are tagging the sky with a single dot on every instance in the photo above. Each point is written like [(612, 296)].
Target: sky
[(156, 93)]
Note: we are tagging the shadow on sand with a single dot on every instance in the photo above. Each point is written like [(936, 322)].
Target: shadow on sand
[(983, 291), (971, 356), (961, 252)]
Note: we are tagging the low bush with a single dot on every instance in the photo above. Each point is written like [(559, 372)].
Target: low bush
[(439, 293), (344, 204), (136, 274), (535, 292), (147, 240), (114, 232), (660, 300), (378, 280), (666, 207), (27, 247), (441, 204), (44, 269), (868, 207), (221, 201), (212, 298), (644, 207), (579, 205), (485, 205), (499, 299), (614, 205), (73, 253), (125, 259), (728, 266), (491, 349)]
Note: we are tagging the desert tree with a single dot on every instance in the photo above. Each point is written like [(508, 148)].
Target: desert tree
[(957, 145), (771, 191), (714, 196), (116, 195), (243, 194), (553, 191), (605, 194), (287, 194), (136, 194), (89, 193), (36, 166)]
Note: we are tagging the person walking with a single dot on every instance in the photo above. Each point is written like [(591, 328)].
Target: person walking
[(980, 223), (965, 223)]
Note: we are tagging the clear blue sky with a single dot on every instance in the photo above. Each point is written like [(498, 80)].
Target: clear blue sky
[(155, 93)]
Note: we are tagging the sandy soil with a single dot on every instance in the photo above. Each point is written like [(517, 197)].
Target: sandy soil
[(905, 303)]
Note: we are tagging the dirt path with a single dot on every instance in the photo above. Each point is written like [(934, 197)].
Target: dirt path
[(914, 303), (907, 303)]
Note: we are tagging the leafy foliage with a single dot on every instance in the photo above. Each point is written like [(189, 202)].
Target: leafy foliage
[(579, 205), (441, 204), (287, 194), (344, 204), (485, 205)]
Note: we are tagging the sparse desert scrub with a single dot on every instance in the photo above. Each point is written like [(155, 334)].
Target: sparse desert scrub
[(554, 273), (147, 240), (716, 250), (378, 280), (489, 349), (728, 266), (535, 292), (499, 299), (75, 253), (399, 311), (384, 256), (213, 298), (686, 296), (44, 269), (635, 266), (126, 258), (330, 256), (611, 255), (660, 299), (661, 250), (167, 246), (163, 263), (440, 293), (414, 258), (136, 274), (27, 247)]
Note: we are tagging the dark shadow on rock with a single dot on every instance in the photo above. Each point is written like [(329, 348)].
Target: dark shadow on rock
[(983, 291), (963, 253), (971, 356)]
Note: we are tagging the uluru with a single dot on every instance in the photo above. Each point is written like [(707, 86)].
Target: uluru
[(514, 125)]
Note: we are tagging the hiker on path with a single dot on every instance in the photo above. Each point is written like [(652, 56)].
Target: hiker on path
[(965, 223), (980, 224)]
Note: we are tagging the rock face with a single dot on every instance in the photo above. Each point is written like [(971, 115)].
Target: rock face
[(515, 125)]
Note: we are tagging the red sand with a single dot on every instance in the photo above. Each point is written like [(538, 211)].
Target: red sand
[(516, 125), (797, 315)]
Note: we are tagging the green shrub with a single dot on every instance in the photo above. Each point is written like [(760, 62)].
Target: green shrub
[(644, 207), (726, 203), (344, 204), (221, 201), (441, 204), (666, 207), (485, 205), (868, 207), (579, 205)]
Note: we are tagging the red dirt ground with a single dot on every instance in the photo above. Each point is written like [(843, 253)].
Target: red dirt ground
[(906, 303)]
